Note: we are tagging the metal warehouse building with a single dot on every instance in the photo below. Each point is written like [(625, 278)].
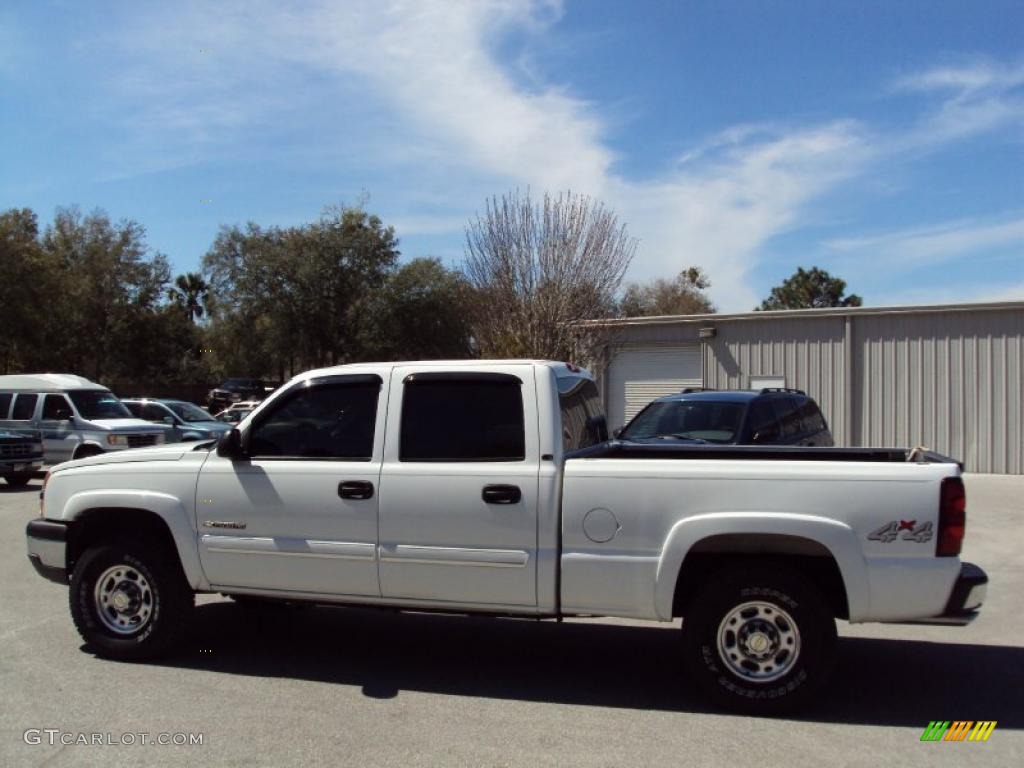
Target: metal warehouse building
[(947, 377)]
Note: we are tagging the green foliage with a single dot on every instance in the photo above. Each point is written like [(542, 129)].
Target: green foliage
[(282, 300), (188, 293), (421, 314), (683, 295), (810, 290), (88, 296)]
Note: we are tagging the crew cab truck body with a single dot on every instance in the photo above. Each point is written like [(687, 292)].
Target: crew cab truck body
[(490, 487)]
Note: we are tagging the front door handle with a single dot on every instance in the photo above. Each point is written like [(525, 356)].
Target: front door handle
[(355, 489), (502, 494)]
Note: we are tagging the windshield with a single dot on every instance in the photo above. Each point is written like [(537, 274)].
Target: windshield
[(99, 404), (713, 421), (189, 412)]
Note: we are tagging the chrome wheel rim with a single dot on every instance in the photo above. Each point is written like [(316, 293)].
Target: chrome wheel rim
[(124, 599), (758, 641)]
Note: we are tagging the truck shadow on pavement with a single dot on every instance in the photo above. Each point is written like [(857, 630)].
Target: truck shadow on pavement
[(877, 681)]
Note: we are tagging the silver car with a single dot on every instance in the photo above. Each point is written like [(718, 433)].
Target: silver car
[(77, 417), (182, 421)]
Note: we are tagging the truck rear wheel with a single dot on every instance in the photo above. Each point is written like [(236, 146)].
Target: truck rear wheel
[(759, 641), (17, 481), (129, 600)]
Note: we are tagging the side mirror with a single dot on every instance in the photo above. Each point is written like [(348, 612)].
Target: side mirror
[(617, 433), (168, 420), (230, 445)]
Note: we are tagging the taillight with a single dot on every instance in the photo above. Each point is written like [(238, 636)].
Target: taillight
[(952, 517)]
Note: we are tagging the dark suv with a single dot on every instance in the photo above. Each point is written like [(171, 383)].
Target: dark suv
[(731, 417), (233, 390)]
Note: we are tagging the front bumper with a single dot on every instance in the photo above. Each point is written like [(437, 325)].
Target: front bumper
[(965, 599), (21, 466), (47, 549)]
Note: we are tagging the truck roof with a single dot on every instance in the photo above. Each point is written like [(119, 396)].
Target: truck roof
[(560, 369), (46, 382)]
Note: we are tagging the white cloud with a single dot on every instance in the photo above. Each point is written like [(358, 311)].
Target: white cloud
[(912, 247), (976, 98)]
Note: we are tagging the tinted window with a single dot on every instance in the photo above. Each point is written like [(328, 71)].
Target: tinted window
[(476, 418), (583, 422), (99, 404), (330, 420), (56, 407), (811, 417), (715, 422), (5, 404), (787, 409), (763, 426), (24, 407), (154, 412), (135, 409)]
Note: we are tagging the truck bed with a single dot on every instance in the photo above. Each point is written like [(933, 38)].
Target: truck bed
[(617, 449)]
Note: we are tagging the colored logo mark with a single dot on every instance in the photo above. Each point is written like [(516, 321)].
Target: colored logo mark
[(958, 730)]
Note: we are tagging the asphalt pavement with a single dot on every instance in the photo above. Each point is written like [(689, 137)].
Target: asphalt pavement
[(334, 686)]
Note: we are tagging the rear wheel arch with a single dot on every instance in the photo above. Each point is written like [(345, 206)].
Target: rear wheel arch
[(720, 554)]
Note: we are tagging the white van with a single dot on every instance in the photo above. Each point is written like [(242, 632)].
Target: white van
[(77, 417)]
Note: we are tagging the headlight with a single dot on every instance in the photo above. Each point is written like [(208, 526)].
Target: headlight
[(117, 440)]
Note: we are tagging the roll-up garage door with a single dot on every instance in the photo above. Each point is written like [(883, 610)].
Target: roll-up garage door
[(637, 376)]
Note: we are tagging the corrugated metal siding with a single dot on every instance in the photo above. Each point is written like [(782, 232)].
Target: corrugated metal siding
[(809, 354), (951, 381)]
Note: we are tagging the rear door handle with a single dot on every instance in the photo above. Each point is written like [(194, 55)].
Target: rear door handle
[(502, 494), (355, 489)]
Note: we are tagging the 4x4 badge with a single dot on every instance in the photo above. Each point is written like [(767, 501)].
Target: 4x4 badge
[(911, 532)]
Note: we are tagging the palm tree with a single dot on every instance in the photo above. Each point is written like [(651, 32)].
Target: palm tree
[(189, 292)]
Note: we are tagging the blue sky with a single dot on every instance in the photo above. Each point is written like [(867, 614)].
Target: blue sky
[(882, 141)]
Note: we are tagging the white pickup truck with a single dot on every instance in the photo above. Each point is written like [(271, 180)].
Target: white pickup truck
[(491, 487)]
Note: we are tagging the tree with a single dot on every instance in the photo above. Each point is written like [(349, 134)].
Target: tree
[(296, 298), (189, 292), (422, 314), (538, 269), (683, 295), (812, 289), (28, 282), (108, 281)]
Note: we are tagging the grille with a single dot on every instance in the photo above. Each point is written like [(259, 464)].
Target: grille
[(16, 451), (138, 441)]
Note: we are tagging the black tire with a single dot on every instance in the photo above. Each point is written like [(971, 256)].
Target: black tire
[(17, 481), (778, 594), (86, 451), (168, 599)]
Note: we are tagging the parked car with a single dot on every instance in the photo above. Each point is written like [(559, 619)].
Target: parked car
[(21, 454), (462, 487), (732, 417), (76, 417), (182, 421), (235, 390), (237, 412)]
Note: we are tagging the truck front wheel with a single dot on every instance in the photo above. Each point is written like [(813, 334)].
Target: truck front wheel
[(759, 641), (129, 600)]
